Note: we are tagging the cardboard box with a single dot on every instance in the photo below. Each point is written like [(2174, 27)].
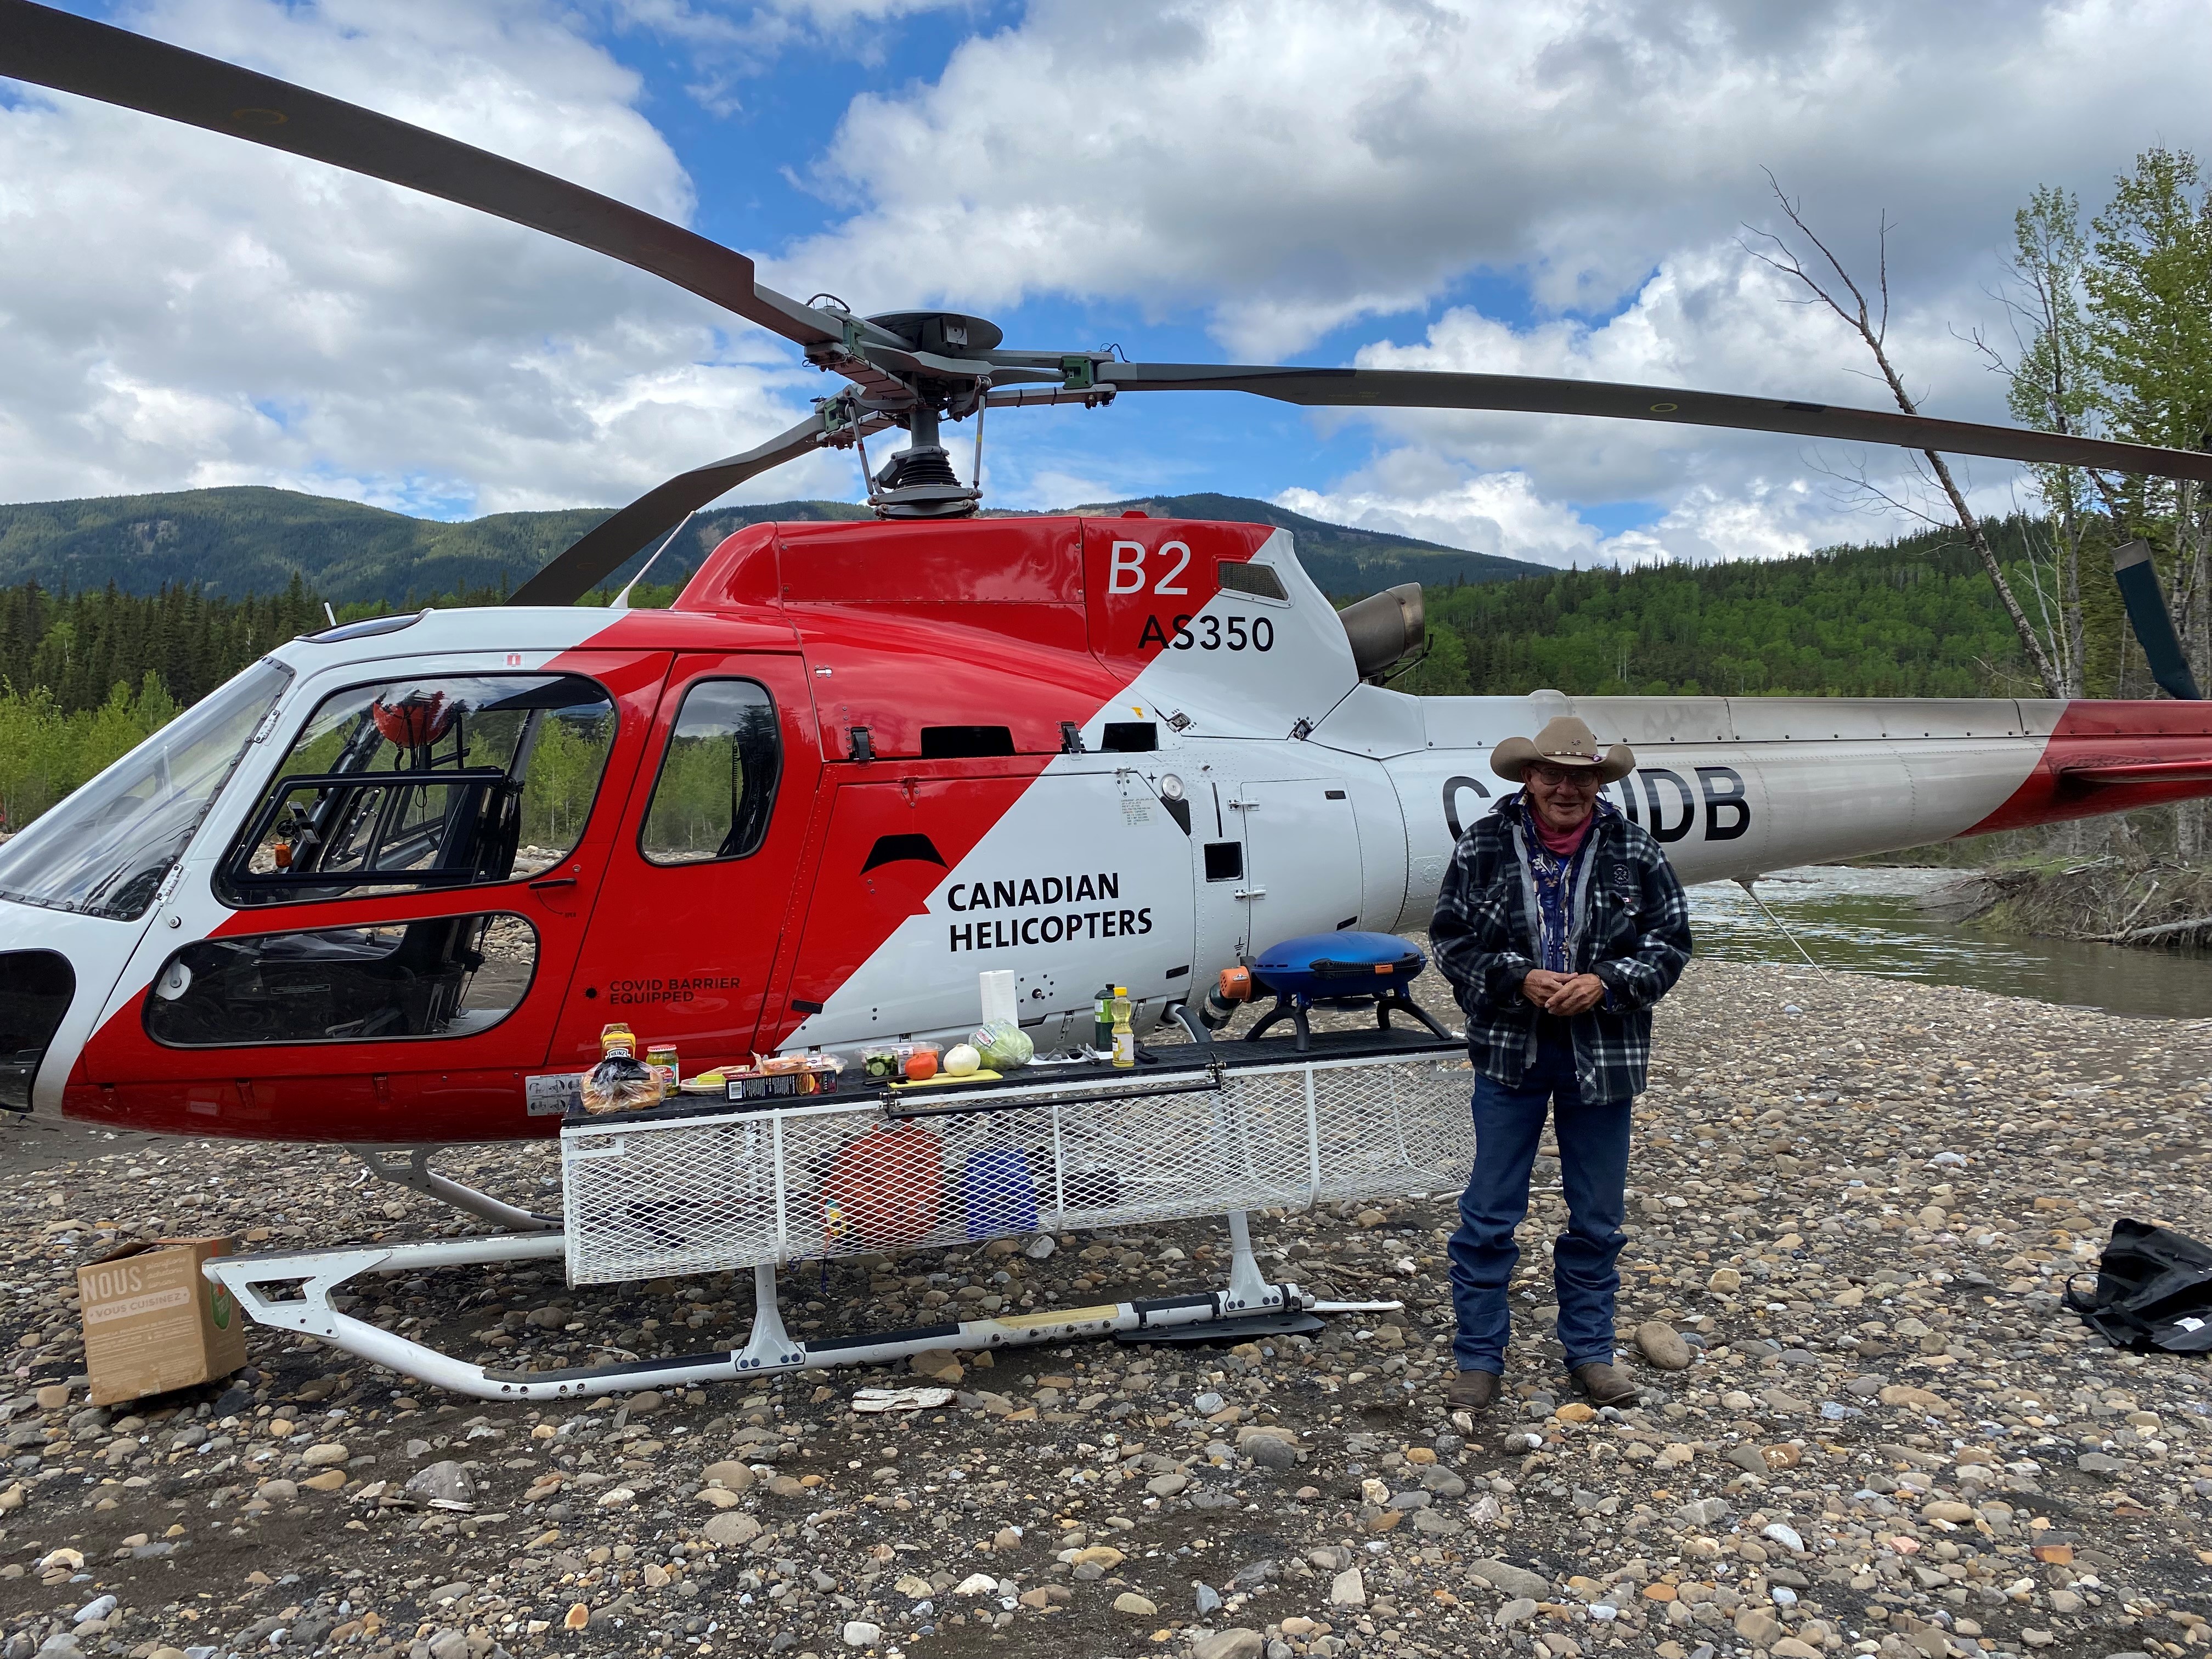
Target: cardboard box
[(152, 1322)]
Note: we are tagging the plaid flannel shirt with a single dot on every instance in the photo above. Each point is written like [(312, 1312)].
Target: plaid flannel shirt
[(1629, 925)]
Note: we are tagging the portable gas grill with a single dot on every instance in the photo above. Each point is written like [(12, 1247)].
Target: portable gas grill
[(1339, 970)]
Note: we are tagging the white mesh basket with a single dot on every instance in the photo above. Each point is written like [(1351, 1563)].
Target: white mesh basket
[(690, 1194)]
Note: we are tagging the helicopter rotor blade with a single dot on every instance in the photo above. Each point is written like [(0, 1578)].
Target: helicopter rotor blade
[(74, 54), (602, 550), (1396, 388)]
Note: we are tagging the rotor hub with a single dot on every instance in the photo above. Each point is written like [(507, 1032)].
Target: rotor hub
[(950, 333), (919, 482)]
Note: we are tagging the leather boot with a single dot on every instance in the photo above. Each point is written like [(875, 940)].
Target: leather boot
[(1605, 1384), (1472, 1391)]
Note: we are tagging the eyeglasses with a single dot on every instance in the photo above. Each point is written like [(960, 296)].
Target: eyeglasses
[(1560, 777)]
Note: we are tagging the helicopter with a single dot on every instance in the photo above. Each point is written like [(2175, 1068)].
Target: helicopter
[(386, 887)]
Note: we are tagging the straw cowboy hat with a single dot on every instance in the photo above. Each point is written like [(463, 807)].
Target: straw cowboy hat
[(1565, 742)]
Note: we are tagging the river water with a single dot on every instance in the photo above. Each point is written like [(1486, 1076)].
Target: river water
[(1868, 920)]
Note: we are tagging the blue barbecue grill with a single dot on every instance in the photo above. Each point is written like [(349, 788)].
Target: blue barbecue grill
[(1339, 970)]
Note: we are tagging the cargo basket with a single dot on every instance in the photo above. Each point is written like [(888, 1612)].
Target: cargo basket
[(1237, 1127)]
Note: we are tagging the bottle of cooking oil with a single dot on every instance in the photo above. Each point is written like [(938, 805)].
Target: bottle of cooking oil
[(1125, 1036)]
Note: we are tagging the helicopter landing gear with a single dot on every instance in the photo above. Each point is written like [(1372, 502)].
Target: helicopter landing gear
[(409, 1167), (292, 1290)]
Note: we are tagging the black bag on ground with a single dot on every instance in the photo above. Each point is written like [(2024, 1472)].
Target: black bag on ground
[(2153, 1291)]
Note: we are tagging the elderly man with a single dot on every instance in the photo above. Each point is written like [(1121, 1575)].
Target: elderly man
[(1559, 924)]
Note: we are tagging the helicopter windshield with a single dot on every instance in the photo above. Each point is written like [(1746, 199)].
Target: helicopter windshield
[(106, 850)]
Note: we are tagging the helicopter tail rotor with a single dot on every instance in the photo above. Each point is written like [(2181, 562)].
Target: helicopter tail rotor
[(2153, 622)]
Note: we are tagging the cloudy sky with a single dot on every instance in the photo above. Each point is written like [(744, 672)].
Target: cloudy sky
[(1543, 186)]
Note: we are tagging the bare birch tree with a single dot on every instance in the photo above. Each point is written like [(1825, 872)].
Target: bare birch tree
[(1841, 293)]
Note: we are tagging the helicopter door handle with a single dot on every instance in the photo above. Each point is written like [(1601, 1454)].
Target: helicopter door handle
[(552, 881), (1251, 892)]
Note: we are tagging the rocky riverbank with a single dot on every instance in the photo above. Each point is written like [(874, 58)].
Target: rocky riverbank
[(1855, 1200)]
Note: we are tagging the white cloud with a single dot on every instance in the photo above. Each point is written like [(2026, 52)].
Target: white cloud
[(196, 311), (1286, 171), (1548, 187), (1286, 167), (1488, 513), (1498, 483)]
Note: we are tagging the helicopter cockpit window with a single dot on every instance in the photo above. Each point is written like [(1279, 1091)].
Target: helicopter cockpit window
[(447, 976), (447, 781), (717, 782)]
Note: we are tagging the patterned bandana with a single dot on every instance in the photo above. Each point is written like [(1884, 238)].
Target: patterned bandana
[(1554, 877)]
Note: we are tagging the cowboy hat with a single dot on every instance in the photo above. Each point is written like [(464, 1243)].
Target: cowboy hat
[(1565, 742)]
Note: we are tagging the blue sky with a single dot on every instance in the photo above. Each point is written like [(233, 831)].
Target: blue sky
[(749, 146), (1555, 186)]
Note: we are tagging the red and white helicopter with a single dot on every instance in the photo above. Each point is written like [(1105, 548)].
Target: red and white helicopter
[(372, 888)]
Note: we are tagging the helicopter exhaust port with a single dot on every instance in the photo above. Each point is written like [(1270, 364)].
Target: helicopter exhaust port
[(1385, 628), (35, 989)]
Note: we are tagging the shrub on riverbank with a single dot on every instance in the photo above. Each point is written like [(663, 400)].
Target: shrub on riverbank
[(2147, 900)]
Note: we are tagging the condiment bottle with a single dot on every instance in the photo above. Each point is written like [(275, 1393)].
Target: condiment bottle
[(1124, 1035), (1102, 1018)]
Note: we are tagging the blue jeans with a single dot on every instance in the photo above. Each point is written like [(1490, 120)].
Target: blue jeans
[(1593, 1140)]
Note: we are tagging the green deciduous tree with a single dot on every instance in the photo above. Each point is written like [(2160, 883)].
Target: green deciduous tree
[(2051, 382), (2150, 293)]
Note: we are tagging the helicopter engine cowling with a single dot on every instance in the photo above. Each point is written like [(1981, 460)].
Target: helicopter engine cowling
[(1385, 628)]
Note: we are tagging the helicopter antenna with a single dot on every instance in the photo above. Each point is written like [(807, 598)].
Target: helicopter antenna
[(1748, 883), (621, 601)]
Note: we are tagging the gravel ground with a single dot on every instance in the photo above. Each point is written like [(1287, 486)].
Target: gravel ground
[(1854, 1200)]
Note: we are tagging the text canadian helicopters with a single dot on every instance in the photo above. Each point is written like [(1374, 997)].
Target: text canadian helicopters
[(371, 888)]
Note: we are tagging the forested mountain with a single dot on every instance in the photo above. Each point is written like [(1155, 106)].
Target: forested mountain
[(84, 674), (1916, 618), (249, 540)]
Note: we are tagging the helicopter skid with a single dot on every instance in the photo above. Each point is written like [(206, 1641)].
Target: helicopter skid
[(259, 1284)]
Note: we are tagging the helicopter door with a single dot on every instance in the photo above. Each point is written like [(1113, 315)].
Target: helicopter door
[(1073, 880), (396, 909), (704, 866), (1298, 846)]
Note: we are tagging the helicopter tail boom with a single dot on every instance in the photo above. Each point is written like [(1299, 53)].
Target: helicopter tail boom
[(1741, 787)]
